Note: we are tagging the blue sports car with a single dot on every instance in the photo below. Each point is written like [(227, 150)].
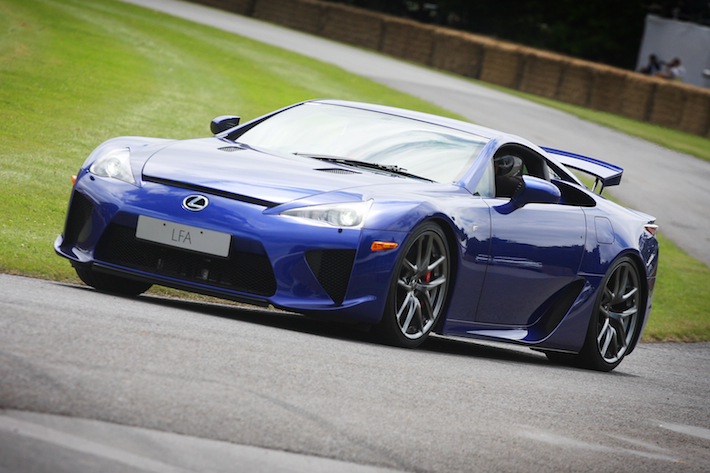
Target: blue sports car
[(411, 223)]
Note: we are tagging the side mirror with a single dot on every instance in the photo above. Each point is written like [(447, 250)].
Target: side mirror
[(533, 190), (223, 123)]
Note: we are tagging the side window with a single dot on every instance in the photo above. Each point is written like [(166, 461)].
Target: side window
[(513, 161), (509, 171), (553, 174), (487, 186)]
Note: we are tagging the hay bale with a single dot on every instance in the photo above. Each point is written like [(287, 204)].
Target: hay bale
[(502, 64), (304, 15), (542, 73), (637, 98), (353, 25), (458, 52), (668, 104), (696, 111), (241, 7), (408, 40), (608, 86), (576, 82)]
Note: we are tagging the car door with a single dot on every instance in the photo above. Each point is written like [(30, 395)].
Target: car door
[(535, 250)]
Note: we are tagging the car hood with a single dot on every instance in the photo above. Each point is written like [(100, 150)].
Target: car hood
[(214, 164)]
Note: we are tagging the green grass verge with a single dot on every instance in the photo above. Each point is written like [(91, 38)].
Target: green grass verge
[(681, 304), (77, 72)]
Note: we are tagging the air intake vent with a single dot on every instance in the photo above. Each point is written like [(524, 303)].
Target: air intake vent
[(332, 269), (231, 149), (78, 223), (243, 271), (338, 171)]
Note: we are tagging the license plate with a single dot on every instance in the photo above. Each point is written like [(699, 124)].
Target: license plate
[(183, 236)]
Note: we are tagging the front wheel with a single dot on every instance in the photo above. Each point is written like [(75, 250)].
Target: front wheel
[(616, 318), (417, 293)]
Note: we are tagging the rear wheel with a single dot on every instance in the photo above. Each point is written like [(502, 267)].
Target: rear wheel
[(616, 318), (417, 293), (110, 283)]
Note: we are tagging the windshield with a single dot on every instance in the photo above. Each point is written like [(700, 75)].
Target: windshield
[(423, 149)]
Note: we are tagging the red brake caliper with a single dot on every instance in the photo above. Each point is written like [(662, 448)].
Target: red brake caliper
[(427, 279)]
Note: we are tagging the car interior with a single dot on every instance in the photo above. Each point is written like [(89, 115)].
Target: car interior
[(512, 161)]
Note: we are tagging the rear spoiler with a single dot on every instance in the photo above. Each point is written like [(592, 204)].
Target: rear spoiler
[(606, 174)]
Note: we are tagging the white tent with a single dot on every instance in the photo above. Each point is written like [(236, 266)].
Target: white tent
[(669, 39)]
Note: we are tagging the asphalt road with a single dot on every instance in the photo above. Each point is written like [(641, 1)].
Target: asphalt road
[(229, 379), (666, 184)]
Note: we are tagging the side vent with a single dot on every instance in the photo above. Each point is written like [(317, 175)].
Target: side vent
[(332, 268), (231, 149), (562, 303), (79, 219)]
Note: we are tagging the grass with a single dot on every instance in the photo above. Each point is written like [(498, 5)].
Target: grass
[(77, 72), (681, 304)]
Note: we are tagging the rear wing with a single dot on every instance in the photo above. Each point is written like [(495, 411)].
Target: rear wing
[(605, 174)]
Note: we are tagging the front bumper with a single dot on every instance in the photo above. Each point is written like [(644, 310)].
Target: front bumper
[(273, 260)]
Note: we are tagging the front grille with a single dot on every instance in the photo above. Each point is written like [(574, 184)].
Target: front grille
[(244, 272), (332, 268), (78, 219)]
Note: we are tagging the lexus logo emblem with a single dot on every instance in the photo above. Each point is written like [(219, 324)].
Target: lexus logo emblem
[(195, 203)]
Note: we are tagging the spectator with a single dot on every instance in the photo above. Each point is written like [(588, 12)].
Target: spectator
[(653, 67), (673, 71)]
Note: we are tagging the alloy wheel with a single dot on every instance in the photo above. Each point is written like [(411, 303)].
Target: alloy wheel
[(421, 285), (618, 313)]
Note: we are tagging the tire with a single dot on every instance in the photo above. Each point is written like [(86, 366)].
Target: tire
[(418, 290), (616, 318), (110, 283)]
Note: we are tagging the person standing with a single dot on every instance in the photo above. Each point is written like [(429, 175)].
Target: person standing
[(673, 71)]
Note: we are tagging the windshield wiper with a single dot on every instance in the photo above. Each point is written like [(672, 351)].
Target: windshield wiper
[(364, 164)]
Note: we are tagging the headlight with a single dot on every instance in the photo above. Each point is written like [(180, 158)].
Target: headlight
[(115, 164), (350, 215)]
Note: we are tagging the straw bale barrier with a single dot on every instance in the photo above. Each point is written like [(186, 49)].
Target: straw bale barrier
[(695, 118), (241, 7), (637, 97), (542, 73), (408, 40), (354, 26), (458, 52), (574, 81), (304, 15)]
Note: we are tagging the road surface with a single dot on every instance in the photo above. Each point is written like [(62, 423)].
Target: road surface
[(220, 375)]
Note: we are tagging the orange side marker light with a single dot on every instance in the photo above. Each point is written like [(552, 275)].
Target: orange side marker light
[(73, 181), (383, 245)]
